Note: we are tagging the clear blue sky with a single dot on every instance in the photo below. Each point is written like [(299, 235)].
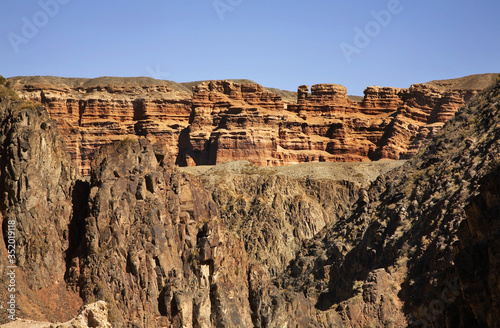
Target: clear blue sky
[(276, 43)]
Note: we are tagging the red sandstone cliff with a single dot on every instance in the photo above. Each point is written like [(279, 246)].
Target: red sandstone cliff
[(220, 121), (324, 125), (94, 112)]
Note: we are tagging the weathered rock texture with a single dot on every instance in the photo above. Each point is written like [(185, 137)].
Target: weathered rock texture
[(140, 236), (143, 237), (419, 247), (95, 112), (36, 185), (245, 121), (220, 121), (274, 210), (94, 315), (155, 248), (164, 248)]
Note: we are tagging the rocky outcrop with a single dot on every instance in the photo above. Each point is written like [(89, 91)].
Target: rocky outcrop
[(226, 124), (94, 112), (476, 253), (410, 252), (378, 100), (30, 160), (36, 186), (274, 212), (93, 315), (154, 247), (220, 121)]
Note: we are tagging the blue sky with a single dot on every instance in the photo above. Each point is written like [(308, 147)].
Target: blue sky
[(277, 43)]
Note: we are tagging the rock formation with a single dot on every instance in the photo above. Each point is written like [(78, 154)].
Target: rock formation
[(95, 112), (139, 235), (36, 186), (255, 246), (410, 252), (275, 212), (94, 315), (221, 121), (154, 247), (324, 125)]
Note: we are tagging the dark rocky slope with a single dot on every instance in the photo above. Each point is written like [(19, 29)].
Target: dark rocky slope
[(420, 247), (36, 185), (274, 210), (154, 246)]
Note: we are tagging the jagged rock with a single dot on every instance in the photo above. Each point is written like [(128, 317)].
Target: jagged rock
[(274, 213), (414, 254), (36, 187), (156, 249), (476, 253), (93, 315)]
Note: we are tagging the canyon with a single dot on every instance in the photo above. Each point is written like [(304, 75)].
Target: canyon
[(117, 214), (214, 122)]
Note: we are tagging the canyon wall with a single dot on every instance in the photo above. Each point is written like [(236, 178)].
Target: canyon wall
[(415, 246), (233, 121), (418, 248), (221, 121), (95, 112), (139, 235), (36, 204)]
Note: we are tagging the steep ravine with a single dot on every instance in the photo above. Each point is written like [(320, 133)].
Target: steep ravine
[(274, 210), (146, 238)]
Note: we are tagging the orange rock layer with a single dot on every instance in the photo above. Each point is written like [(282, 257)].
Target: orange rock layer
[(324, 125), (221, 121)]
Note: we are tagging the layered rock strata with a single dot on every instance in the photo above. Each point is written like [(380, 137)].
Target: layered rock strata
[(325, 124), (220, 121), (95, 112), (418, 248)]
